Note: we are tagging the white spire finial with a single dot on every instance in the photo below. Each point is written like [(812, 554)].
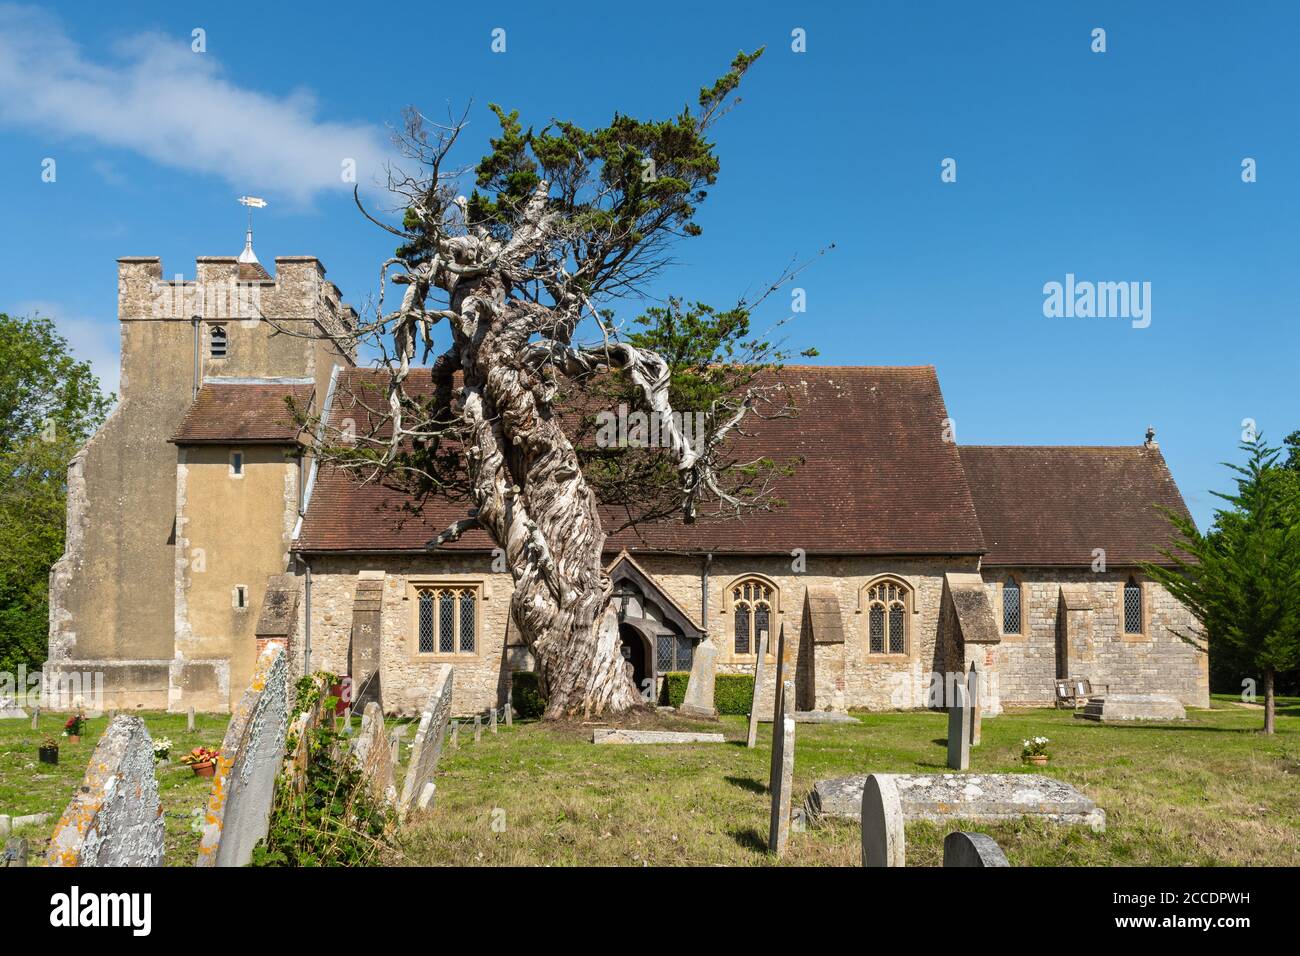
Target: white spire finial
[(252, 202)]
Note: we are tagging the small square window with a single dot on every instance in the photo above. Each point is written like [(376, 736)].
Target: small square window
[(237, 464), (239, 597)]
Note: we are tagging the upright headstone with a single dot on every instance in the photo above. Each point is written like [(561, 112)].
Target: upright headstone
[(752, 739), (478, 727), (455, 735), (189, 721), (777, 704), (243, 786), (972, 849), (699, 688), (428, 741), (959, 729), (883, 836), (394, 748), (374, 755), (114, 819), (778, 834), (36, 717), (492, 721), (510, 706), (976, 711)]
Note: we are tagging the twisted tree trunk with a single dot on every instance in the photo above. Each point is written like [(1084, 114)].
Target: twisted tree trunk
[(533, 500)]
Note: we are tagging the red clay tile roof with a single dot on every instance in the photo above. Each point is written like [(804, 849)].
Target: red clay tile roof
[(1052, 505), (230, 412), (877, 478)]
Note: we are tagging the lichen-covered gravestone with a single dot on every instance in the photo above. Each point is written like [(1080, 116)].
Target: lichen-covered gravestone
[(778, 834), (972, 849), (374, 756), (114, 819), (699, 688), (417, 788), (883, 836), (243, 786)]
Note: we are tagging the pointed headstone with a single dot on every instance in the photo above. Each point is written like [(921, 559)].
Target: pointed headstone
[(883, 835), (752, 739), (959, 729), (782, 772)]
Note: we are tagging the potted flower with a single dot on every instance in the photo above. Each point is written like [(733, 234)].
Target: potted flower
[(1034, 751), (202, 760), (73, 728), (49, 750), (162, 748)]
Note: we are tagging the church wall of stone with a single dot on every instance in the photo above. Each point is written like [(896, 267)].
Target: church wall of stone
[(1155, 662)]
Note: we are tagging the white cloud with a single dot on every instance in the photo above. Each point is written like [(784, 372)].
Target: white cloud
[(97, 341), (155, 97)]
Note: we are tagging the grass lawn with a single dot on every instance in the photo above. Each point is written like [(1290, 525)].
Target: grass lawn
[(1210, 791), (28, 786)]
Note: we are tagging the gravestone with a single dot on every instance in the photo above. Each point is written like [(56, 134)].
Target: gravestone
[(9, 709), (189, 721), (778, 834), (883, 838), (1120, 708), (455, 735), (36, 718), (15, 852), (777, 704), (374, 755), (608, 735), (478, 727), (300, 733), (6, 826), (428, 741), (510, 706), (492, 721), (976, 711), (699, 688), (243, 786), (347, 721), (972, 849), (114, 819), (752, 739), (394, 748), (959, 729)]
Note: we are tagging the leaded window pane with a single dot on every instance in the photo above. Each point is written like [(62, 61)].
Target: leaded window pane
[(467, 622), (1011, 608), (876, 619), (742, 629), (1132, 608), (664, 652), (685, 654), (426, 622), (446, 622), (897, 642), (762, 618)]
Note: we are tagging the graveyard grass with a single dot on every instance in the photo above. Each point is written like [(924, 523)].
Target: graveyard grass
[(28, 786), (1212, 791)]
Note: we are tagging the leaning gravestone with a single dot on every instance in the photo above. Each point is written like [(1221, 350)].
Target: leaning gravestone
[(778, 834), (374, 756), (699, 688), (115, 818), (428, 744), (972, 849), (752, 739), (243, 786), (959, 729), (883, 836)]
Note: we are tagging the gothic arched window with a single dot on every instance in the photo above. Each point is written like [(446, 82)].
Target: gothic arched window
[(751, 602), (886, 606), (446, 619)]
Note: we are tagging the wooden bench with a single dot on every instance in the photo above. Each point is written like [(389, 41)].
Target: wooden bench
[(1073, 692)]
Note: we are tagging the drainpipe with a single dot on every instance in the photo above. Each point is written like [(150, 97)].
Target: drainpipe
[(306, 646), (194, 321), (704, 593)]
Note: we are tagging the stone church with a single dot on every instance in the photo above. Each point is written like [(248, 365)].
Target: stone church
[(199, 529)]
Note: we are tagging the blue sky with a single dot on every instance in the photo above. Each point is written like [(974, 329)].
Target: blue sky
[(1115, 166)]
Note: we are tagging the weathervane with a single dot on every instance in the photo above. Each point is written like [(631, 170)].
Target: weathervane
[(252, 202)]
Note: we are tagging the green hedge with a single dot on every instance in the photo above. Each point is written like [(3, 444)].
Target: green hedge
[(527, 699), (732, 693)]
